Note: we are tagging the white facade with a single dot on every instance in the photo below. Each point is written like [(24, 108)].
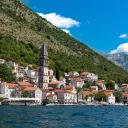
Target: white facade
[(102, 85), (5, 91), (77, 83), (111, 99), (90, 77), (50, 72), (38, 95), (31, 73), (2, 61), (66, 97), (13, 65), (45, 78), (70, 98)]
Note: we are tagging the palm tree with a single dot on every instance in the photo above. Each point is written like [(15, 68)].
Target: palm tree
[(78, 89), (86, 97), (91, 95)]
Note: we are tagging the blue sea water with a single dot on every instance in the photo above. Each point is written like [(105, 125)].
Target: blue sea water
[(63, 117)]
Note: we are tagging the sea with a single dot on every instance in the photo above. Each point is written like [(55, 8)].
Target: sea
[(63, 116)]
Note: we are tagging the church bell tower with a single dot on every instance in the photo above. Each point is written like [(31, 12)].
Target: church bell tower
[(43, 68)]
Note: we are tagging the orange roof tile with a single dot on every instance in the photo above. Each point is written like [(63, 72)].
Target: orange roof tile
[(86, 92), (30, 89), (59, 91), (84, 73), (78, 80), (50, 95), (99, 81), (125, 94), (4, 83), (45, 90), (94, 91), (53, 82), (10, 85), (93, 86), (69, 86), (21, 83), (50, 88)]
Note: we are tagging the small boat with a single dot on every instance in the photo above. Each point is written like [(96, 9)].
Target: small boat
[(32, 104), (51, 104)]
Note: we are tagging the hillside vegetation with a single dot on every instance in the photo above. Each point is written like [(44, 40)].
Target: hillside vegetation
[(22, 31)]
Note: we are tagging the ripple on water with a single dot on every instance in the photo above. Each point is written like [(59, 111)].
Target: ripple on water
[(63, 117)]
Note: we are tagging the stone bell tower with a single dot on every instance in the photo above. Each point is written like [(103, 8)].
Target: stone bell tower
[(43, 68)]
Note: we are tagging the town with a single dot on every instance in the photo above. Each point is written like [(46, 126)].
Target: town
[(37, 86)]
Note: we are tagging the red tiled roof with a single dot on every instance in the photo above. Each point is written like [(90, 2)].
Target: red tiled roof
[(86, 92), (94, 91), (63, 91), (125, 94), (99, 81), (59, 91), (30, 89), (45, 90), (84, 73), (50, 88), (53, 82), (4, 83), (24, 83), (69, 86), (50, 95), (93, 86), (10, 85), (78, 80)]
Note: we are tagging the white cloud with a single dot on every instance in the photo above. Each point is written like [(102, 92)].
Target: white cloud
[(124, 35), (121, 48), (60, 21), (66, 30)]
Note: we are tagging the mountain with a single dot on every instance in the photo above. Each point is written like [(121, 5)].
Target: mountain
[(120, 59), (22, 31)]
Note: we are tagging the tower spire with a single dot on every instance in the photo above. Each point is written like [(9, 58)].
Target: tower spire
[(43, 68)]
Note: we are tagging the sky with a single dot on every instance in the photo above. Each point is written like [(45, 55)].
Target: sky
[(100, 24)]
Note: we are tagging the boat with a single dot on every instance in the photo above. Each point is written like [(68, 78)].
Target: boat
[(32, 105), (51, 104)]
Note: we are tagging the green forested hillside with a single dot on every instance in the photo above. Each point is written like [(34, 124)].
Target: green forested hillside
[(22, 31)]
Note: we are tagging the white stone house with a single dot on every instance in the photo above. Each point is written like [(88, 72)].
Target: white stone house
[(101, 84), (2, 61), (66, 96), (39, 95), (73, 74), (57, 84), (31, 73), (110, 96), (111, 99), (7, 89), (14, 66), (52, 97), (77, 82), (89, 76)]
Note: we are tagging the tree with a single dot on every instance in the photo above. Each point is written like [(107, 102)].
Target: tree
[(86, 85), (6, 73), (86, 97), (118, 96), (110, 85), (78, 89), (57, 74), (1, 99), (91, 95), (100, 96), (26, 94)]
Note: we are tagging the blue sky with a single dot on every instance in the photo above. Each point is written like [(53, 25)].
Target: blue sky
[(101, 24)]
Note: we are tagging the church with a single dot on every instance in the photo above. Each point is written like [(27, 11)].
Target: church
[(43, 73)]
